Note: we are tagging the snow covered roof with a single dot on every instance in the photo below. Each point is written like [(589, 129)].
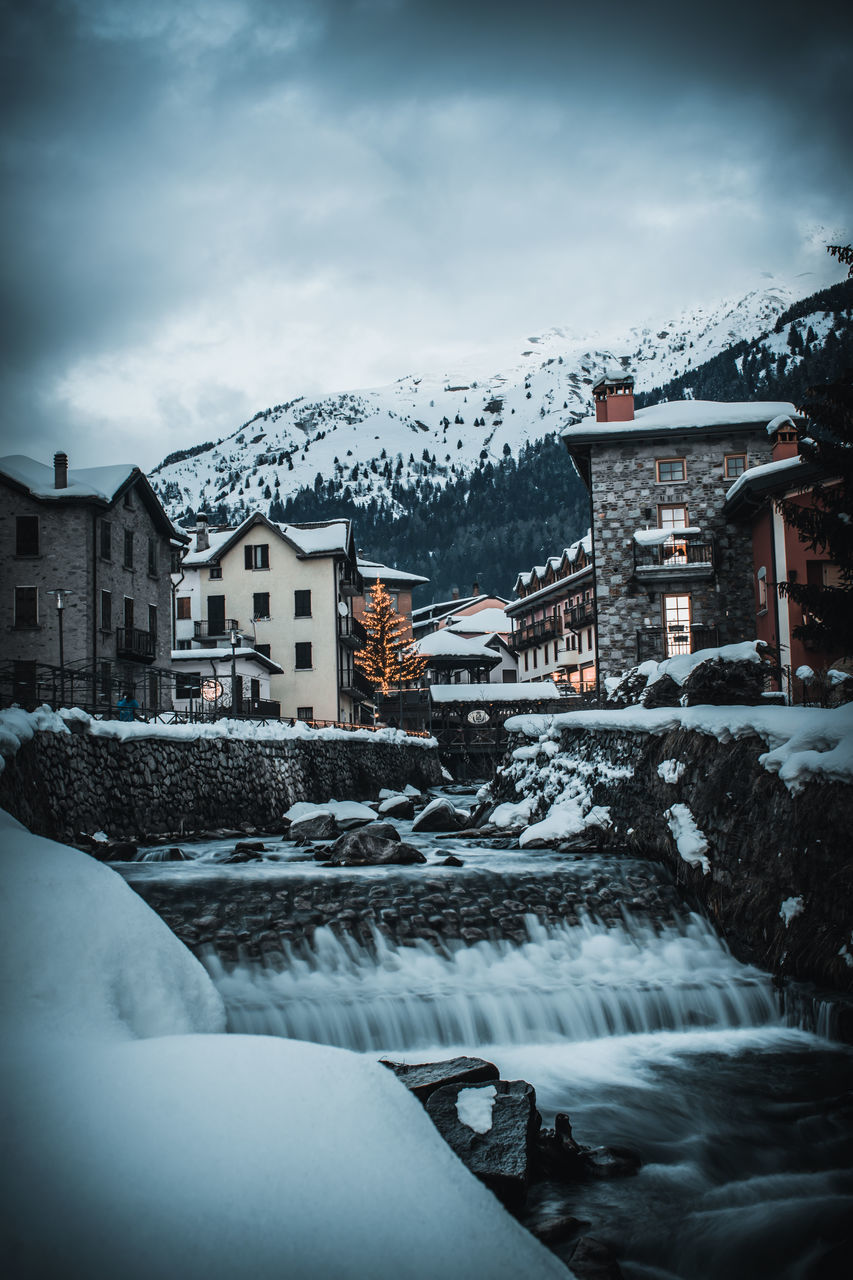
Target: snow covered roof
[(654, 537), (567, 557), (224, 655), (102, 483), (767, 471), (682, 415), (783, 420), (328, 537), (373, 571), (527, 691), (484, 622), (446, 644)]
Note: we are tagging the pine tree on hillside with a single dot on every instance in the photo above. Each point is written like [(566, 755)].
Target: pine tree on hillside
[(827, 524), (387, 657)]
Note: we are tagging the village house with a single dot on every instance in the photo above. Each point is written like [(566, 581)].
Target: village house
[(84, 584), (433, 617), (779, 554), (284, 592), (399, 584), (672, 573), (554, 620)]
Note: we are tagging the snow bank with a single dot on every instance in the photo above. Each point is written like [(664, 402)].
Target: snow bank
[(343, 810), (804, 743), (143, 1145), (689, 840)]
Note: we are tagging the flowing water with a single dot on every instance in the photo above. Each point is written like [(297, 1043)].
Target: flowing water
[(645, 1030)]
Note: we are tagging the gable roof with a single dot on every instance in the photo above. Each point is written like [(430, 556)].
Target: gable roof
[(373, 571), (680, 415), (96, 486), (312, 540)]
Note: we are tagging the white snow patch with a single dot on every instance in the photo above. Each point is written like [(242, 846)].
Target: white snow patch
[(474, 1107), (343, 810), (790, 909), (804, 673), (689, 840), (568, 817), (671, 770), (509, 814)]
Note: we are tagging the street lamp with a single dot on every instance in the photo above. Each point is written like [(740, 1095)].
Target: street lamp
[(234, 673), (61, 593)]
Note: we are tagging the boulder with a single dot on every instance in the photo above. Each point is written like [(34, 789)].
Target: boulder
[(371, 846), (402, 807), (501, 1156), (611, 1162), (441, 815), (592, 1260), (424, 1078), (452, 861), (315, 826)]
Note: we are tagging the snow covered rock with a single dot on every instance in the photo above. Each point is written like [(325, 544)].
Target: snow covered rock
[(500, 1153), (376, 845), (400, 806), (717, 683), (321, 825), (441, 815)]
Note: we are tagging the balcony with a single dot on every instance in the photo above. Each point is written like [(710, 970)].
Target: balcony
[(355, 685), (678, 557), (352, 585), (655, 643), (135, 645), (215, 628), (536, 633), (580, 615), (351, 632)]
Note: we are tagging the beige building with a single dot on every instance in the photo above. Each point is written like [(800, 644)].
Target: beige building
[(286, 591)]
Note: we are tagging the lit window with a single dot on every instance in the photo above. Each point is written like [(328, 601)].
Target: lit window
[(672, 516), (735, 464), (671, 470)]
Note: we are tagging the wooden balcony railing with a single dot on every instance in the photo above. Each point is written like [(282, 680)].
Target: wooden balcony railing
[(134, 645), (536, 633)]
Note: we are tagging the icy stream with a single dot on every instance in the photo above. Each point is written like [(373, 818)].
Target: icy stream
[(646, 1031)]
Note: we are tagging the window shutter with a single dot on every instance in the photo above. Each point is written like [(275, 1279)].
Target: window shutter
[(247, 557)]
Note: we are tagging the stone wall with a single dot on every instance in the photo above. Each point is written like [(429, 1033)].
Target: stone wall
[(62, 784), (766, 846)]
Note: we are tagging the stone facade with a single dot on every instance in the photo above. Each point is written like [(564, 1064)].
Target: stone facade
[(626, 496), (70, 557), (60, 785)]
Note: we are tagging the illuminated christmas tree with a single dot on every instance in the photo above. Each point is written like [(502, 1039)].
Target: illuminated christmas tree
[(387, 656)]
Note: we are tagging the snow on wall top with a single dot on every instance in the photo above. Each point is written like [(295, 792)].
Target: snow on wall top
[(88, 482), (446, 644), (804, 743)]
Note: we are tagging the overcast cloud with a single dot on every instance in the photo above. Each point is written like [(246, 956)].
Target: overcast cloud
[(216, 206)]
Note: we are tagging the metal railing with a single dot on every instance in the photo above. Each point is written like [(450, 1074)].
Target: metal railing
[(134, 644), (354, 684), (660, 642), (680, 553), (351, 632), (536, 633), (211, 628), (579, 615)]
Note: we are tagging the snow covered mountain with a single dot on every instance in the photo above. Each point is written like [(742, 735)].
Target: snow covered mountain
[(441, 426)]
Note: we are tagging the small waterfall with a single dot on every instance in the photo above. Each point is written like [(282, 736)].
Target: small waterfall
[(565, 982)]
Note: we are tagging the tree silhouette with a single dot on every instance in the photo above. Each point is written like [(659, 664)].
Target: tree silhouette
[(387, 657)]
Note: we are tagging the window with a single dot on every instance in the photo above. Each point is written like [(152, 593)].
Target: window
[(153, 691), (176, 555), (735, 465), (762, 589), (671, 470), (302, 604), (26, 606), (526, 662), (676, 621), (153, 557), (257, 556), (261, 605), (184, 608), (535, 659), (255, 690), (215, 571), (188, 684), (152, 621), (303, 655), (128, 612), (106, 540), (106, 611), (184, 644), (128, 499), (672, 515), (304, 713), (589, 638), (26, 535), (128, 548), (263, 649)]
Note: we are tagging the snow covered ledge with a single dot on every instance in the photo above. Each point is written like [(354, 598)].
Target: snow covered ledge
[(146, 1143), (750, 806)]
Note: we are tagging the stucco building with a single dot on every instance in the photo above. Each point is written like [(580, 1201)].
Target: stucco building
[(554, 619), (672, 573)]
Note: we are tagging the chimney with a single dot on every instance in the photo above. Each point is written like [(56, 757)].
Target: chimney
[(784, 436), (614, 397), (60, 471), (475, 590), (202, 538)]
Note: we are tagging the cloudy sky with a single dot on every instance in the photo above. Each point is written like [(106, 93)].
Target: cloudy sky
[(216, 205)]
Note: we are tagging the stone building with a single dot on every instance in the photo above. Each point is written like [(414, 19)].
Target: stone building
[(85, 592), (672, 573)]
